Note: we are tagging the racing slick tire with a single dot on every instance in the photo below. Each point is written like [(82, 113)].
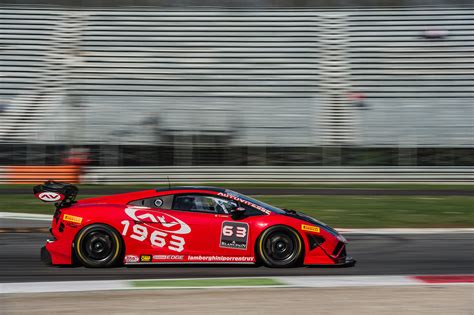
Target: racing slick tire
[(98, 246), (279, 247)]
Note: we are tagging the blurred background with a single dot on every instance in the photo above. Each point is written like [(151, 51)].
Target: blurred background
[(194, 85), (357, 112)]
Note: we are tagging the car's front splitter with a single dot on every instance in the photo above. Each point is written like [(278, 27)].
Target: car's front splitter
[(348, 262), (46, 256)]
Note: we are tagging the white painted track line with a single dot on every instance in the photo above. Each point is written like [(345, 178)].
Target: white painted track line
[(285, 282), (346, 281), (63, 286), (26, 216)]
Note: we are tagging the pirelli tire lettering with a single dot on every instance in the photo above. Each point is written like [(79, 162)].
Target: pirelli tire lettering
[(72, 219), (98, 245)]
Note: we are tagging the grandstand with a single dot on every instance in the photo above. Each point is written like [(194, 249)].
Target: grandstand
[(237, 78)]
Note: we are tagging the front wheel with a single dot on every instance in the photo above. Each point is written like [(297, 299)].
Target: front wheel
[(280, 246), (98, 246)]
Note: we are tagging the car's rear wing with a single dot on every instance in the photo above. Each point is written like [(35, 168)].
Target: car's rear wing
[(63, 194)]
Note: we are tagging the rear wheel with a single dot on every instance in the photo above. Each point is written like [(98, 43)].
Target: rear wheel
[(98, 245), (280, 246)]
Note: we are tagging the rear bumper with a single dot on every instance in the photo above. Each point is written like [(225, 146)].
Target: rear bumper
[(58, 252)]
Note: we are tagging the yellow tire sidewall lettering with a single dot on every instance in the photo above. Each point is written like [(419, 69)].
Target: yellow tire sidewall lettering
[(80, 237), (262, 237)]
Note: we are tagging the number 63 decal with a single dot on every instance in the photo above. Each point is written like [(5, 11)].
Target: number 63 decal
[(228, 230), (234, 235)]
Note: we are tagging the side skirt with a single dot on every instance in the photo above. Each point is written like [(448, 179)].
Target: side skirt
[(190, 263)]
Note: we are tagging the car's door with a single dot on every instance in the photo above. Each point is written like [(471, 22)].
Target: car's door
[(191, 227), (152, 230), (213, 231)]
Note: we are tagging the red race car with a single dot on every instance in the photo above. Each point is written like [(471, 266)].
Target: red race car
[(183, 225)]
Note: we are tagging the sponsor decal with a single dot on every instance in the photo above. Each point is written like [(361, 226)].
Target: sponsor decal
[(145, 258), (49, 196), (72, 218), (167, 223), (168, 257), (245, 202), (216, 258), (131, 259), (234, 235), (310, 228), (161, 234)]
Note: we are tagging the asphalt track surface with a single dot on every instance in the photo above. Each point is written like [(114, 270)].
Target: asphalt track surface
[(376, 255), (282, 191)]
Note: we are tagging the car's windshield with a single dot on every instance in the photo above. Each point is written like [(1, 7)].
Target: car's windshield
[(256, 202)]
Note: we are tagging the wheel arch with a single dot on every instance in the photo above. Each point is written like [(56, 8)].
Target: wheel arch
[(122, 248), (259, 243)]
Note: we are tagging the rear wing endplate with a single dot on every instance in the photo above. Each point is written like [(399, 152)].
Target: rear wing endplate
[(63, 194)]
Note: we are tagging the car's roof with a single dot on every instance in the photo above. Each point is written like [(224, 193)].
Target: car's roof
[(216, 189)]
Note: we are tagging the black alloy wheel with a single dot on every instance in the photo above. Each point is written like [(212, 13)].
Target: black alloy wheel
[(97, 246), (280, 246)]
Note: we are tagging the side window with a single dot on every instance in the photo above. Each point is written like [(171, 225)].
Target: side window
[(162, 202), (249, 211), (202, 203)]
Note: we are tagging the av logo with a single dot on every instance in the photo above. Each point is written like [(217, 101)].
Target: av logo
[(158, 220), (49, 196)]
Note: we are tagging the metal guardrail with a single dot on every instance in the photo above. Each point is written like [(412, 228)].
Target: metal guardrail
[(3, 177), (135, 175), (236, 174)]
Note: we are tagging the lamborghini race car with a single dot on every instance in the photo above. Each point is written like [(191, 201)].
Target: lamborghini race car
[(183, 225)]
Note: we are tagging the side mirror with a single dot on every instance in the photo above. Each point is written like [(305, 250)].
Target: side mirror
[(237, 212)]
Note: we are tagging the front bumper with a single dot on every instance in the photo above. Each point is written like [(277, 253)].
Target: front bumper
[(332, 255), (347, 261), (45, 256)]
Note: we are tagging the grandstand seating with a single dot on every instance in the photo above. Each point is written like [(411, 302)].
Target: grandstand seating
[(267, 77), (420, 91)]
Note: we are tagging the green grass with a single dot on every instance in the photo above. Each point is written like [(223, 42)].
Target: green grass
[(335, 186), (382, 211), (204, 282), (27, 203), (339, 211)]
